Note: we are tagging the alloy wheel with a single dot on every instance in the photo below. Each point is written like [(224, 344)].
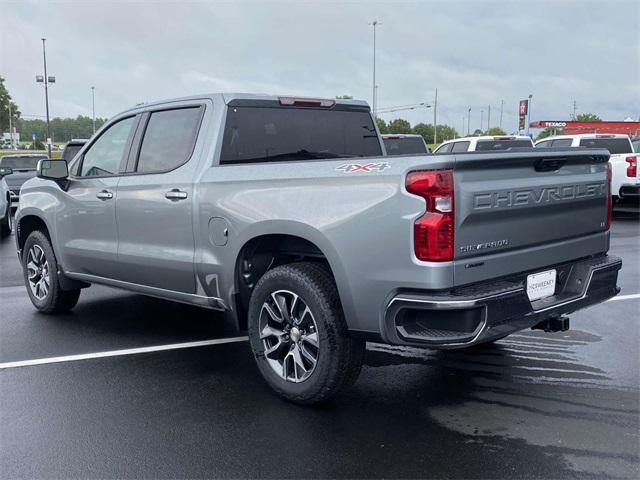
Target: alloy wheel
[(289, 334), (38, 272)]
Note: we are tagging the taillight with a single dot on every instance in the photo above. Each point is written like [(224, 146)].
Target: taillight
[(607, 224), (632, 169), (433, 231)]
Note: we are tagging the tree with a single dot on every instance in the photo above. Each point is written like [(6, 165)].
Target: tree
[(426, 130), (62, 129), (399, 125), (445, 132), (476, 133), (549, 131), (344, 97), (382, 125), (5, 101), (588, 117), (495, 131)]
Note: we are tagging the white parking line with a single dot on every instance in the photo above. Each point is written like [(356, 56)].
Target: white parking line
[(118, 353), (624, 297)]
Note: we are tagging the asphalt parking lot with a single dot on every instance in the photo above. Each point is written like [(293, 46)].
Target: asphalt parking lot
[(535, 405)]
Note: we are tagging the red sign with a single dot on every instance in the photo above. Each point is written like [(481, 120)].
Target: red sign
[(524, 107)]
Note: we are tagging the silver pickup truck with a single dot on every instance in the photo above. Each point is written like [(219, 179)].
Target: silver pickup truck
[(286, 213)]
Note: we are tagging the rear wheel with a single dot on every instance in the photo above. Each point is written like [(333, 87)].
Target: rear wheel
[(6, 226), (40, 270), (299, 335)]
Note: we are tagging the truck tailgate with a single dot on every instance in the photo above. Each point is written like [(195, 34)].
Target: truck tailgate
[(518, 211)]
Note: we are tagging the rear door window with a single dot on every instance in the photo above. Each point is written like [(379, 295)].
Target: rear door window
[(614, 145), (485, 145), (267, 134), (562, 142), (460, 147), (168, 139)]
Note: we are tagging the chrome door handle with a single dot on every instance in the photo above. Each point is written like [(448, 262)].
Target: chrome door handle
[(104, 195), (176, 194)]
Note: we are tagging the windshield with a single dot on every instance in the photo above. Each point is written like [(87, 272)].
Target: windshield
[(24, 162), (484, 145), (614, 145), (262, 134), (70, 151), (404, 145)]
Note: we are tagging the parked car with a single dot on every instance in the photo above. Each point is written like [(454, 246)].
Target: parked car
[(484, 144), (6, 222), (282, 212), (404, 144), (72, 148), (24, 168), (625, 180)]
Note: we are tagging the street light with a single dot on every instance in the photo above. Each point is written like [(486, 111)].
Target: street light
[(530, 100), (93, 107), (468, 121), (375, 23), (46, 80)]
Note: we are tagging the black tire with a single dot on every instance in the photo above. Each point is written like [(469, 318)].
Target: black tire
[(55, 300), (339, 356), (6, 224)]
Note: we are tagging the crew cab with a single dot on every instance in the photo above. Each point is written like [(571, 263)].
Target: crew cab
[(484, 144), (284, 213), (404, 144), (625, 181)]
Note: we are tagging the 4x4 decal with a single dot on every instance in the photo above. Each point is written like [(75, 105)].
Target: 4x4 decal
[(357, 167)]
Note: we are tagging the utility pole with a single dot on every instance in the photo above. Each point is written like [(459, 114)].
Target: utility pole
[(489, 117), (575, 107), (435, 127), (468, 121), (462, 131), (46, 80), (375, 23), (481, 120), (93, 107), (501, 107), (10, 129)]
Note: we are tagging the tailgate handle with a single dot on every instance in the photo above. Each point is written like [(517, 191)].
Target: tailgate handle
[(549, 164)]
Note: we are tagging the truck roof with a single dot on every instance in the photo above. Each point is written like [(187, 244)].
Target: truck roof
[(586, 135), (228, 97), (400, 135)]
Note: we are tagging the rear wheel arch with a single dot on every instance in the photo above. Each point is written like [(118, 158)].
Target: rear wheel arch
[(263, 253)]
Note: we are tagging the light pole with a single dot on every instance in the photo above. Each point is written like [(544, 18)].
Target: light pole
[(481, 120), (488, 117), (462, 131), (530, 100), (435, 125), (46, 80), (468, 121), (375, 23), (93, 107), (501, 107)]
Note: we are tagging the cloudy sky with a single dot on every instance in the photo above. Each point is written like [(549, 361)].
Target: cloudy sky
[(477, 53)]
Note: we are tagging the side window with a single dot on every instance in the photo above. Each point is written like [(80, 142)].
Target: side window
[(168, 139), (562, 142), (444, 148), (460, 147), (105, 155), (543, 144)]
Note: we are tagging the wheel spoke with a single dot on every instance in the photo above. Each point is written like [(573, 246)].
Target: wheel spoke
[(298, 363), (274, 316), (311, 339), (310, 358), (269, 331)]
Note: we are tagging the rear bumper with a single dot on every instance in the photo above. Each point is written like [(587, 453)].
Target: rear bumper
[(490, 310)]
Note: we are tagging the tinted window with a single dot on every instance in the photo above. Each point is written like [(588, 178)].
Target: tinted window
[(260, 134), (460, 147), (21, 162), (168, 139), (484, 145), (105, 155), (614, 145), (444, 148), (404, 146), (562, 142), (543, 144), (70, 151), (636, 145)]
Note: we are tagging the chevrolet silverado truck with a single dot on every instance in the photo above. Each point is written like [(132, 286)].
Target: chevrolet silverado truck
[(284, 213)]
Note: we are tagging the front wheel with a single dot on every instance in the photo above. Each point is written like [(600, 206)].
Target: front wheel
[(299, 336), (40, 270)]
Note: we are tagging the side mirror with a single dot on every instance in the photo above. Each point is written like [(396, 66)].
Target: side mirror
[(4, 171), (52, 169)]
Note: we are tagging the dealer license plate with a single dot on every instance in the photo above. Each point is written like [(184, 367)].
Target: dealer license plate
[(541, 285)]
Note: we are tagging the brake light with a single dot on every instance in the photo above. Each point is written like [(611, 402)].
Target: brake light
[(306, 102), (632, 169), (433, 231), (607, 224)]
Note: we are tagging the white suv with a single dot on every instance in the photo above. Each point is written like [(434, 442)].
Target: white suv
[(484, 144), (625, 182)]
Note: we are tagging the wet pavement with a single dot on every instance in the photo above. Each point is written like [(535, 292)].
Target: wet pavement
[(535, 405)]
